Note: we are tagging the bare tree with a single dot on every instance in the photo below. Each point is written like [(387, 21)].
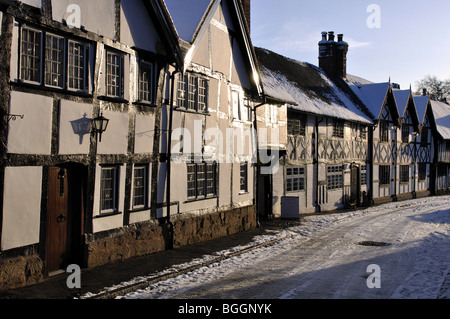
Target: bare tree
[(437, 89)]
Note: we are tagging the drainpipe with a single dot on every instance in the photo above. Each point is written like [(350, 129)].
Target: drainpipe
[(255, 124), (316, 147), (415, 164), (169, 159), (394, 196)]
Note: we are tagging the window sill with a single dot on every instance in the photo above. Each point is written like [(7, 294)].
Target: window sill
[(109, 214), (192, 200), (112, 99), (37, 86), (143, 103), (185, 110), (139, 210)]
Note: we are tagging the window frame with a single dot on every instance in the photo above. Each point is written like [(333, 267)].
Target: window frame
[(144, 186), (384, 172), (114, 190), (335, 177), (145, 65), (363, 175), (297, 126), (39, 57), (63, 53), (404, 174), (338, 128), (120, 86), (384, 131), (422, 172), (85, 66), (243, 180), (199, 183), (189, 91), (295, 182), (44, 60)]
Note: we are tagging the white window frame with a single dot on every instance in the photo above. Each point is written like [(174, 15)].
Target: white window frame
[(85, 66), (149, 66), (114, 190), (118, 87), (40, 54), (144, 186), (51, 61)]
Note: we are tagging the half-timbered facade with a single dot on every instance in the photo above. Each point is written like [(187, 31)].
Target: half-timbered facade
[(441, 144), (325, 167)]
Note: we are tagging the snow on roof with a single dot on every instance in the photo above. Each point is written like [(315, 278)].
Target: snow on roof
[(187, 16), (441, 112), (356, 80), (273, 86), (401, 98), (311, 89), (372, 95), (421, 103)]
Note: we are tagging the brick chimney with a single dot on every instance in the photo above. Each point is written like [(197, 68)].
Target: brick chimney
[(247, 11), (333, 55)]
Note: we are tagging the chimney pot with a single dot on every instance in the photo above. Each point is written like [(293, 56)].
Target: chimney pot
[(331, 36)]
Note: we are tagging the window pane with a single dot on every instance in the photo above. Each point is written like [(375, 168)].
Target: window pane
[(30, 62), (108, 189), (146, 82), (76, 66), (114, 74), (202, 95), (140, 186), (192, 91)]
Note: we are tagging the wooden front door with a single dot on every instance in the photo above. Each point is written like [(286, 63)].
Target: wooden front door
[(64, 217)]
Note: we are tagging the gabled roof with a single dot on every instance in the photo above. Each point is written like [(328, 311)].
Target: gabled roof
[(164, 27), (312, 90), (373, 95), (191, 19), (188, 16), (422, 104), (441, 113), (405, 101)]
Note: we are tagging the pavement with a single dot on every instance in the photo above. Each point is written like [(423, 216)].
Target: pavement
[(94, 280)]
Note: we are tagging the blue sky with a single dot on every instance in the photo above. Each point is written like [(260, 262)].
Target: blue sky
[(413, 39)]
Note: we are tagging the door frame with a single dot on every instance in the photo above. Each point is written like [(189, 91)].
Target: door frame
[(77, 175)]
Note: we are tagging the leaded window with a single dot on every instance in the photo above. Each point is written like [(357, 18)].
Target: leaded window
[(335, 177), (30, 55), (295, 179)]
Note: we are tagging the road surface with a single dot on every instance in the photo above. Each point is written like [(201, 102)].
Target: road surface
[(398, 250)]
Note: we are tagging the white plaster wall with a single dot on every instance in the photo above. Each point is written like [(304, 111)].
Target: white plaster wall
[(145, 134), (33, 134), (69, 142), (96, 16), (103, 223), (115, 139), (21, 207), (136, 28)]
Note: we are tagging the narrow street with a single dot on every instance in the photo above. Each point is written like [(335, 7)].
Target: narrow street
[(328, 256)]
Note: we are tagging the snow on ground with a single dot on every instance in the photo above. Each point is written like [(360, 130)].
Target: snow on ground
[(429, 260)]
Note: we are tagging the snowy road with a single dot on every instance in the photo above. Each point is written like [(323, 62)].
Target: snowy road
[(324, 258)]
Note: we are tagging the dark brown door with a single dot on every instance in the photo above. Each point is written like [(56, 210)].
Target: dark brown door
[(64, 217), (355, 185)]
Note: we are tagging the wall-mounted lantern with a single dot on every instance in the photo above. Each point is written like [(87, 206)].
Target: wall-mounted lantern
[(99, 125)]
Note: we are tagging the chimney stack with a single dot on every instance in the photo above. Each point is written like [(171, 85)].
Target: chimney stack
[(333, 55), (247, 11)]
